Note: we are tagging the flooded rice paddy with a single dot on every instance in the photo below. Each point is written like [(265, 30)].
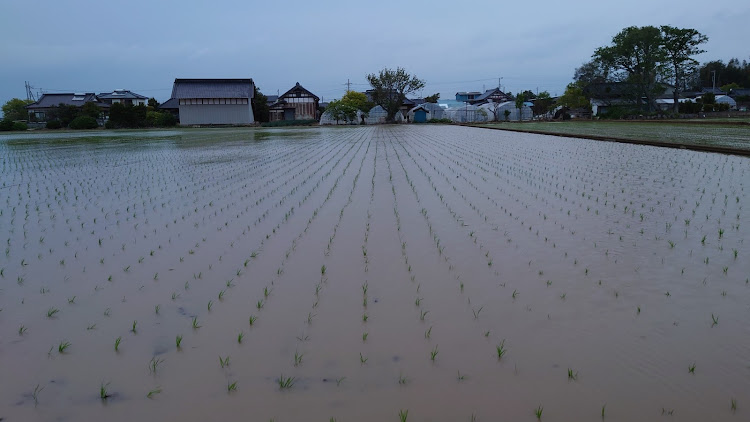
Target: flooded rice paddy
[(420, 273)]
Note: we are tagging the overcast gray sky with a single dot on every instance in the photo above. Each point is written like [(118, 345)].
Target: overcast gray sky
[(98, 46)]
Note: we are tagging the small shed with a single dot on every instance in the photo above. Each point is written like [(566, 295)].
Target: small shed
[(420, 114)]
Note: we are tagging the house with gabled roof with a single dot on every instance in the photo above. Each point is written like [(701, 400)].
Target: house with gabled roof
[(41, 108), (214, 101), (296, 104), (122, 96)]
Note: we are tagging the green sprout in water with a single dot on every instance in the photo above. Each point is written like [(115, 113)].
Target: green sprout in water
[(538, 412), (501, 350), (433, 353), (403, 414), (285, 383), (63, 346), (231, 387), (178, 341), (117, 343), (103, 391)]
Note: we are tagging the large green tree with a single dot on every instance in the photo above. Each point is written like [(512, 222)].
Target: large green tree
[(636, 56), (574, 97), (14, 109), (341, 110), (390, 88), (680, 45), (260, 106)]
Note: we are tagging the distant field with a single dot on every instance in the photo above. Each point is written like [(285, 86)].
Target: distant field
[(723, 135)]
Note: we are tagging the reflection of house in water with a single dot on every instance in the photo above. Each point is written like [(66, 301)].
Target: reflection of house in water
[(295, 104)]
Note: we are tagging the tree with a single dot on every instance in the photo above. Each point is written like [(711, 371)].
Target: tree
[(358, 100), (573, 97), (591, 72), (432, 98), (260, 106), (679, 46), (341, 110), (153, 104), (390, 88), (729, 87), (14, 109), (542, 103), (636, 56), (90, 109), (520, 99)]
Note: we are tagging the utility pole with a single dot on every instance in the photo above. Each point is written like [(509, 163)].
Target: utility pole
[(29, 93), (348, 85), (713, 78)]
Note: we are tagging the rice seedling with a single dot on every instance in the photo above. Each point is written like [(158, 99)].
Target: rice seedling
[(733, 404), (364, 336), (604, 408), (362, 359), (402, 379), (691, 368), (104, 391), (365, 317), (260, 304), (240, 336), (154, 363), (460, 377), (210, 304), (35, 394), (195, 323), (51, 312), (477, 311), (572, 375), (298, 358), (423, 314), (252, 319), (223, 362), (63, 346), (153, 392), (403, 415), (501, 350), (285, 383), (133, 330), (231, 387), (433, 353), (178, 341), (118, 340), (538, 412), (714, 320), (22, 330)]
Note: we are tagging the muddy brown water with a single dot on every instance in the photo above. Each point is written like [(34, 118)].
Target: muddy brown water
[(616, 262)]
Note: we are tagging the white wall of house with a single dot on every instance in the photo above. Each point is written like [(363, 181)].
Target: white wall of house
[(216, 114)]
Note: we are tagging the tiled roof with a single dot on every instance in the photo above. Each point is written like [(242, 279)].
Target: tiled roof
[(213, 88), (172, 103), (52, 100), (121, 94), (298, 87)]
